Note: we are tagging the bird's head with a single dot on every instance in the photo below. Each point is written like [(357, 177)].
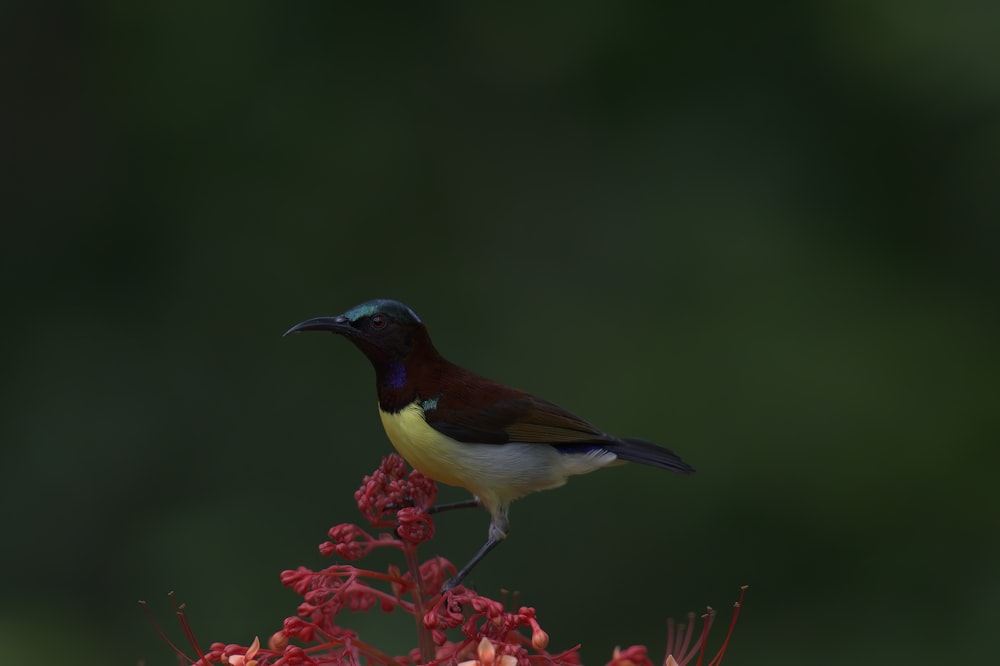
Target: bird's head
[(386, 331)]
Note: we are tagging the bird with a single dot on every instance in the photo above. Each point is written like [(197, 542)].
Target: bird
[(462, 429)]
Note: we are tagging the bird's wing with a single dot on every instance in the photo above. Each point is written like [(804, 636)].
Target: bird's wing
[(517, 417), (497, 414)]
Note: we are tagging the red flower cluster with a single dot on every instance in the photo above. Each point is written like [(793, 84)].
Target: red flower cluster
[(390, 488), (459, 626), (479, 617)]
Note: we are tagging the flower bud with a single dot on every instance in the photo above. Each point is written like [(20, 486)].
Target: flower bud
[(415, 525), (279, 640)]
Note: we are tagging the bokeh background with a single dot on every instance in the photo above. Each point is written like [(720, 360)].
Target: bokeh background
[(764, 234)]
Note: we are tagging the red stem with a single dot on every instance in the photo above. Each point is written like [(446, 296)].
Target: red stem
[(707, 619), (689, 631), (424, 638), (163, 636), (732, 625), (186, 626)]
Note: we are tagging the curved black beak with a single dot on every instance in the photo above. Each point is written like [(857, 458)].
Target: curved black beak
[(339, 325)]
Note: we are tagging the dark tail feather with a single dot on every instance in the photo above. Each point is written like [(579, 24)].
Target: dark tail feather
[(647, 453)]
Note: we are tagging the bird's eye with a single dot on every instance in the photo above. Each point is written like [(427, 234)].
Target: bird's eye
[(378, 321)]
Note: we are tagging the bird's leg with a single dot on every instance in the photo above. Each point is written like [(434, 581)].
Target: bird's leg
[(464, 504), (490, 544), (499, 527)]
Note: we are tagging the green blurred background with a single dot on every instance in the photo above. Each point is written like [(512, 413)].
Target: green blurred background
[(764, 234)]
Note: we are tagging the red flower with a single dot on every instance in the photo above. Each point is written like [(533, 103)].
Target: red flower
[(415, 525), (247, 658), (633, 656), (486, 655)]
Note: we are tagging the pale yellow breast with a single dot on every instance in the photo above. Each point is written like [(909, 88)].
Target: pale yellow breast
[(428, 451)]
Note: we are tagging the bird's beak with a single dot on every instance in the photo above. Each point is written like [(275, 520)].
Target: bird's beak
[(339, 325)]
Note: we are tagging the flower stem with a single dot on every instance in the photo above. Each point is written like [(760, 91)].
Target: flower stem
[(424, 638)]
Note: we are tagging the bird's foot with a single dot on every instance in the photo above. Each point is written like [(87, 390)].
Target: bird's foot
[(407, 503), (456, 582)]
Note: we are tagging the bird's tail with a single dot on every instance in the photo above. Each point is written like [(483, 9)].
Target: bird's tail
[(647, 453)]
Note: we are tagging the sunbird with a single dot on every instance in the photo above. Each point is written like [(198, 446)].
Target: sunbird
[(465, 430)]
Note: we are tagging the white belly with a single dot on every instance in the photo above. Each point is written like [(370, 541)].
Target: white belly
[(496, 473)]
